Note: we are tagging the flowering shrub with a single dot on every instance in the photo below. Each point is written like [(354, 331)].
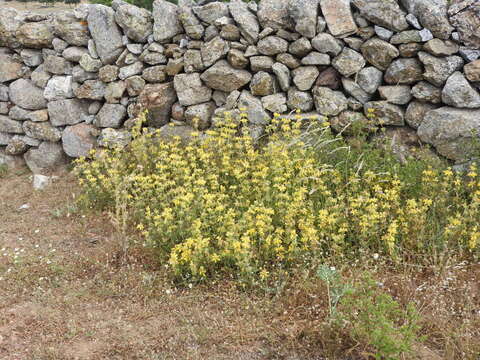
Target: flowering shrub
[(224, 204)]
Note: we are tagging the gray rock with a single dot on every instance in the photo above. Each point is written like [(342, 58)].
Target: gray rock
[(288, 60), (274, 14), (219, 97), (351, 123), (135, 22), (137, 49), (153, 58), (459, 93), (348, 62), (261, 63), (17, 113), (114, 91), (262, 84), (416, 112), (4, 108), (304, 14), (38, 115), (321, 24), (193, 61), (45, 159), (108, 73), (327, 44), (114, 139), (190, 89), (67, 112), (385, 13), (379, 53), (210, 12), (193, 28), (4, 93), (90, 64), (329, 102), (158, 99), (450, 131), (5, 138), (230, 32), (425, 91), (222, 76), (199, 116), (432, 15), (425, 35), (154, 74), (237, 59), (299, 100), (438, 70), (405, 37), (276, 103), (105, 33), (467, 24), (287, 35), (130, 70), (35, 35), (214, 50), (92, 49), (246, 20), (404, 71), (300, 47), (413, 21), (10, 21), (111, 116), (272, 45), (316, 58), (231, 100), (42, 131), (396, 94), (469, 54), (330, 78), (369, 79), (352, 88), (304, 77), (338, 16), (57, 65), (174, 66), (74, 53), (438, 47), (26, 95), (254, 109), (383, 113), (90, 89), (354, 42), (79, 75), (283, 75), (383, 33), (67, 27), (31, 57), (59, 45), (10, 126), (10, 69), (58, 87)]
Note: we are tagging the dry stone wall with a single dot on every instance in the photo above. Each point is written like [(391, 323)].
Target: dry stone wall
[(74, 80)]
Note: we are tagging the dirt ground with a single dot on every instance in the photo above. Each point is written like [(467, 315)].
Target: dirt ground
[(37, 7), (68, 292)]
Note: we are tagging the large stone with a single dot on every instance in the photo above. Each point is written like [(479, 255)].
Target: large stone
[(105, 33), (396, 94), (262, 84), (451, 131), (283, 75), (67, 112), (69, 28), (316, 58), (272, 45), (304, 14), (77, 140), (130, 70), (300, 47), (210, 12), (349, 62), (224, 77), (114, 91), (166, 23), (438, 70), (48, 157), (135, 84), (288, 60), (385, 13), (91, 89), (276, 103), (416, 112), (327, 44), (90, 64), (114, 139), (158, 99), (26, 95), (10, 21), (299, 100), (383, 113), (10, 126), (199, 116), (237, 59), (425, 91), (193, 28), (135, 22), (79, 75), (432, 15), (246, 20), (58, 87), (35, 35), (338, 16), (438, 47), (214, 50), (471, 70), (16, 146), (261, 63), (459, 93), (31, 57), (42, 131), (467, 23), (404, 71), (406, 37), (379, 53), (74, 53), (274, 14), (57, 65), (10, 69), (329, 102), (254, 109), (190, 89), (369, 79), (352, 88), (304, 77), (111, 116)]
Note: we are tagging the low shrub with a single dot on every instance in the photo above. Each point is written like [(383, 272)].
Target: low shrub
[(222, 204)]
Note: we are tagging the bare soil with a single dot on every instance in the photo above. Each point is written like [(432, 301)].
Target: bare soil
[(68, 291)]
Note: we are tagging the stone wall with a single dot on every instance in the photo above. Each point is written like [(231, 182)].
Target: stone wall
[(74, 80)]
